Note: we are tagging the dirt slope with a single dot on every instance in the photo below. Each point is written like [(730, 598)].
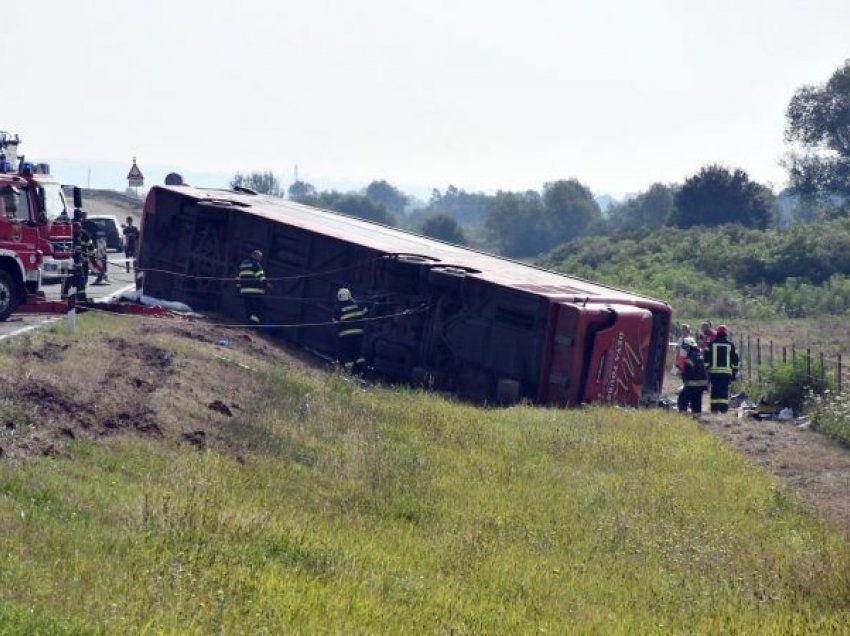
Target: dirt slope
[(56, 388)]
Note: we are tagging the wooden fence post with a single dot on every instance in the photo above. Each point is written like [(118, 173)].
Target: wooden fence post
[(784, 354), (770, 349), (822, 369), (839, 373), (749, 358)]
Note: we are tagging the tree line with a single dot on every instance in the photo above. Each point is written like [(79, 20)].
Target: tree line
[(530, 223)]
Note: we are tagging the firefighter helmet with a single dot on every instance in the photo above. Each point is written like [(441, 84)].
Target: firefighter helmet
[(343, 294), (690, 343), (722, 330)]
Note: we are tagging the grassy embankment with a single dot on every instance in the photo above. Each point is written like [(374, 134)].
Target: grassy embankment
[(321, 506)]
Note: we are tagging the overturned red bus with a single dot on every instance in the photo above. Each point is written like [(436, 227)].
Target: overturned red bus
[(483, 327)]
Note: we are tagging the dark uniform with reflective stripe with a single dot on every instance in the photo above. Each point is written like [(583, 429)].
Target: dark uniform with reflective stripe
[(695, 381), (721, 362), (252, 288), (350, 328), (82, 252)]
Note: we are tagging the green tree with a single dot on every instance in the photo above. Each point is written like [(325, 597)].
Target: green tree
[(467, 208), (444, 228), (261, 182), (363, 207), (389, 196), (648, 210), (819, 120), (571, 211), (516, 225), (716, 196), (302, 192)]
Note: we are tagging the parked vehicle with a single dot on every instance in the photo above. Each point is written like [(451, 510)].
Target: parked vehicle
[(484, 327), (29, 233), (108, 226)]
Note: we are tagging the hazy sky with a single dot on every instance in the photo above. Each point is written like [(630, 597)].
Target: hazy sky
[(483, 94)]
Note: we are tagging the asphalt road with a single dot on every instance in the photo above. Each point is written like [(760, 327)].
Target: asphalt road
[(119, 280)]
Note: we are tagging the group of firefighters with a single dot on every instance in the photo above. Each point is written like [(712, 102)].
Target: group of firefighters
[(708, 363), (252, 285)]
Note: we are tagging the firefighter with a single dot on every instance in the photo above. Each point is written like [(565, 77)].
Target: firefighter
[(721, 362), (252, 286), (694, 378), (349, 315), (83, 253)]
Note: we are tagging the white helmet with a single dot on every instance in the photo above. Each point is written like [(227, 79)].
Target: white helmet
[(343, 294)]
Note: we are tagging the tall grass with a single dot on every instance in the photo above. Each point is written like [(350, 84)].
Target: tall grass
[(331, 508)]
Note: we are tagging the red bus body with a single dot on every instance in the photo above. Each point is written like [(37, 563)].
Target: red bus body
[(481, 326)]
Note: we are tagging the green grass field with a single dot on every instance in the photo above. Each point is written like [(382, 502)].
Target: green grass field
[(322, 506)]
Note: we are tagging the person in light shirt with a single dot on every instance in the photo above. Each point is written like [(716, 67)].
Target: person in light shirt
[(681, 349)]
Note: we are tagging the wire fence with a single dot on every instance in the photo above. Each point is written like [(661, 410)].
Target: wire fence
[(757, 358)]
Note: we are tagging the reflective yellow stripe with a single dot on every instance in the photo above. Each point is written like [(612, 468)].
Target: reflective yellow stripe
[(354, 314), (251, 290), (715, 355), (350, 332)]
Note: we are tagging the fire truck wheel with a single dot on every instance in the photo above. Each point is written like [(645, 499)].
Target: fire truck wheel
[(507, 392), (8, 297)]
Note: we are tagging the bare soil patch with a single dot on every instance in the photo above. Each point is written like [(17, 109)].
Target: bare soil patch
[(811, 465), (129, 382)]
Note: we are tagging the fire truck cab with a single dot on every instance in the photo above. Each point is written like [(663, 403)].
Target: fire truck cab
[(34, 225)]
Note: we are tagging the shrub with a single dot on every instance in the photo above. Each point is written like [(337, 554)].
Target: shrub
[(830, 415), (790, 384)]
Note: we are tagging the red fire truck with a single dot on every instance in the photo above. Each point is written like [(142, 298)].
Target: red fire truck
[(35, 227)]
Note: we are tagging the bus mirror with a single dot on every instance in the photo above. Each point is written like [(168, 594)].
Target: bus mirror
[(78, 198)]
